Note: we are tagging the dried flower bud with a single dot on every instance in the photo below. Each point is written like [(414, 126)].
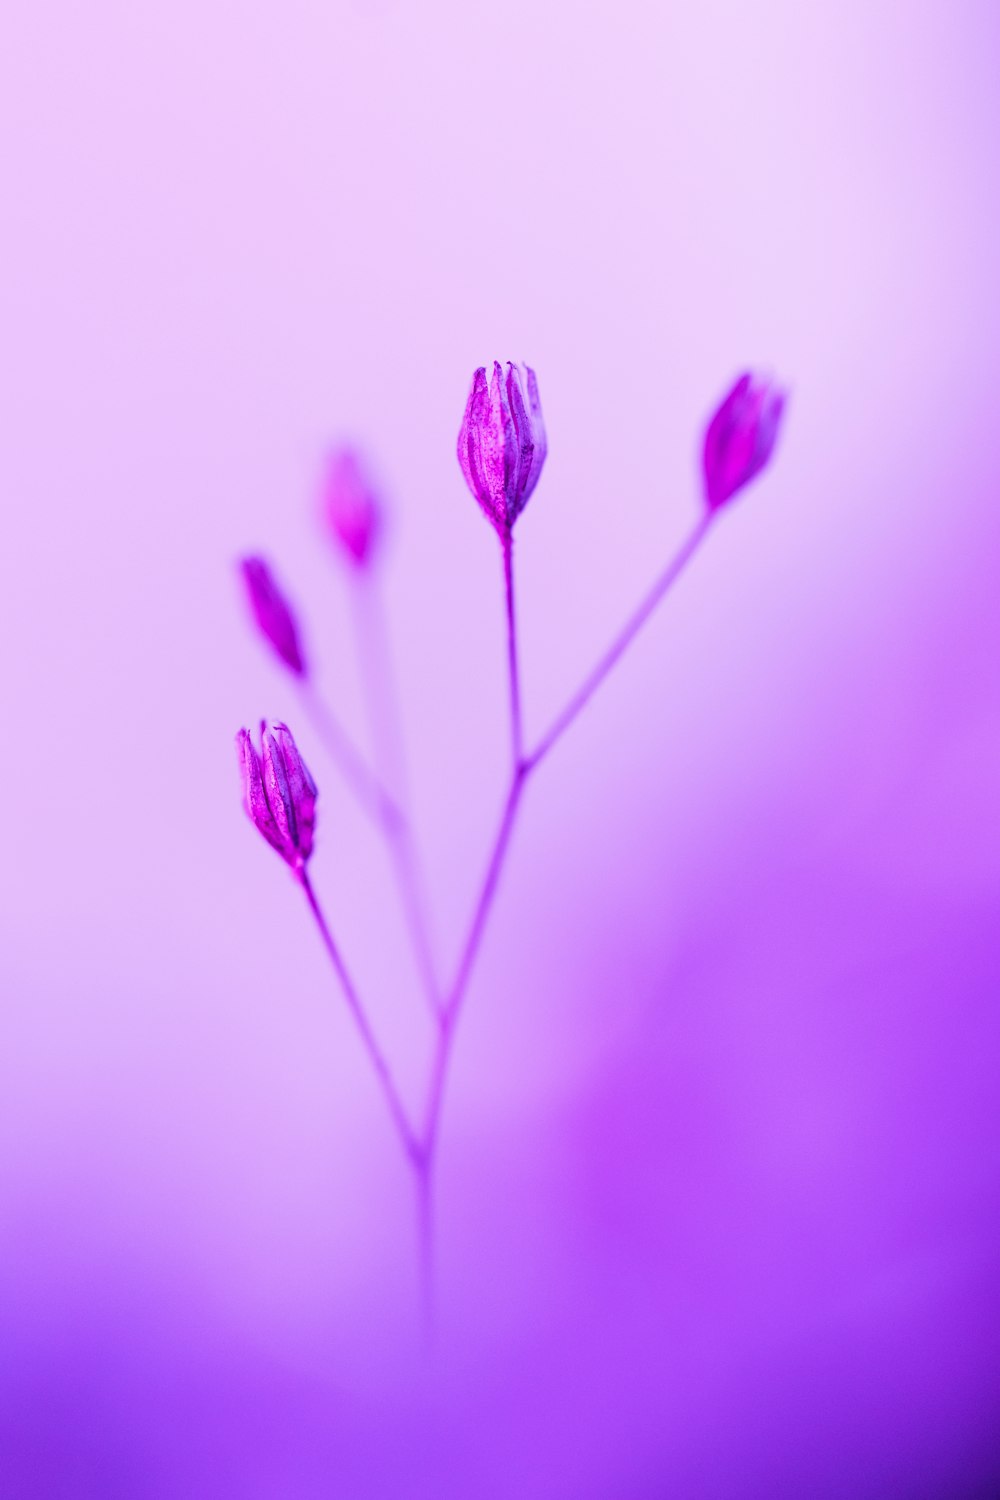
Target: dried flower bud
[(278, 791), (502, 446), (273, 613), (740, 437), (351, 506)]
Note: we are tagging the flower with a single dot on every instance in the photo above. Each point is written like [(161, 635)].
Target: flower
[(278, 791), (351, 506), (273, 613), (740, 437), (502, 446)]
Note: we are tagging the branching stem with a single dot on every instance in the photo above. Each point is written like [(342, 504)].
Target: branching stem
[(622, 641), (362, 780), (421, 1147)]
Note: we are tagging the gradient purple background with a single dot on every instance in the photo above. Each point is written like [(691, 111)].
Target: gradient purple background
[(721, 1171)]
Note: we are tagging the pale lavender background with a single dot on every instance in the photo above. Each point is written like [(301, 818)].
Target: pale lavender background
[(721, 1173)]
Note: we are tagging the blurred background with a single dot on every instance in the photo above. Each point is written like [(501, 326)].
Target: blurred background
[(720, 1173)]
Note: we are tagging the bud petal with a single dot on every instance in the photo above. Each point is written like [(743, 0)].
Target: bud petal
[(276, 788), (741, 436), (351, 507), (481, 447), (522, 442), (273, 613), (254, 797), (541, 446), (300, 787)]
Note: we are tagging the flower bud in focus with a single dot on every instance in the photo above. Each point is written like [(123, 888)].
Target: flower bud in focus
[(278, 792), (502, 444)]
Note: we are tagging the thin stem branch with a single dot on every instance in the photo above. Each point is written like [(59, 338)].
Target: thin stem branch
[(387, 736), (364, 783), (409, 1140), (377, 678), (623, 640), (513, 676), (414, 1148)]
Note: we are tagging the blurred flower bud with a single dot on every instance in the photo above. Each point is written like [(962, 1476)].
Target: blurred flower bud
[(273, 613), (278, 791), (502, 446), (351, 506), (740, 437)]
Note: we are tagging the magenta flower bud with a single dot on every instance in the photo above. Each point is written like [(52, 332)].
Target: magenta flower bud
[(502, 446), (351, 506), (273, 613), (740, 437), (278, 792)]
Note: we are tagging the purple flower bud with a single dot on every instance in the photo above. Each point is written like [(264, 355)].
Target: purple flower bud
[(740, 437), (273, 613), (502, 446), (278, 791), (351, 506)]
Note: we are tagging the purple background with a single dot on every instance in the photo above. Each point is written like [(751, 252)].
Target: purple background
[(721, 1166)]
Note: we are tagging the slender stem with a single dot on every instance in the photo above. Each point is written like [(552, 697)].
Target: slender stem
[(516, 732), (425, 1236), (362, 780), (523, 768), (435, 1091), (410, 1143), (422, 1150), (621, 643), (384, 720), (377, 679), (456, 996)]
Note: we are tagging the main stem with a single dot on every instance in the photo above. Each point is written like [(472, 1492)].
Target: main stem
[(410, 1143), (453, 1003), (367, 787), (425, 1241)]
